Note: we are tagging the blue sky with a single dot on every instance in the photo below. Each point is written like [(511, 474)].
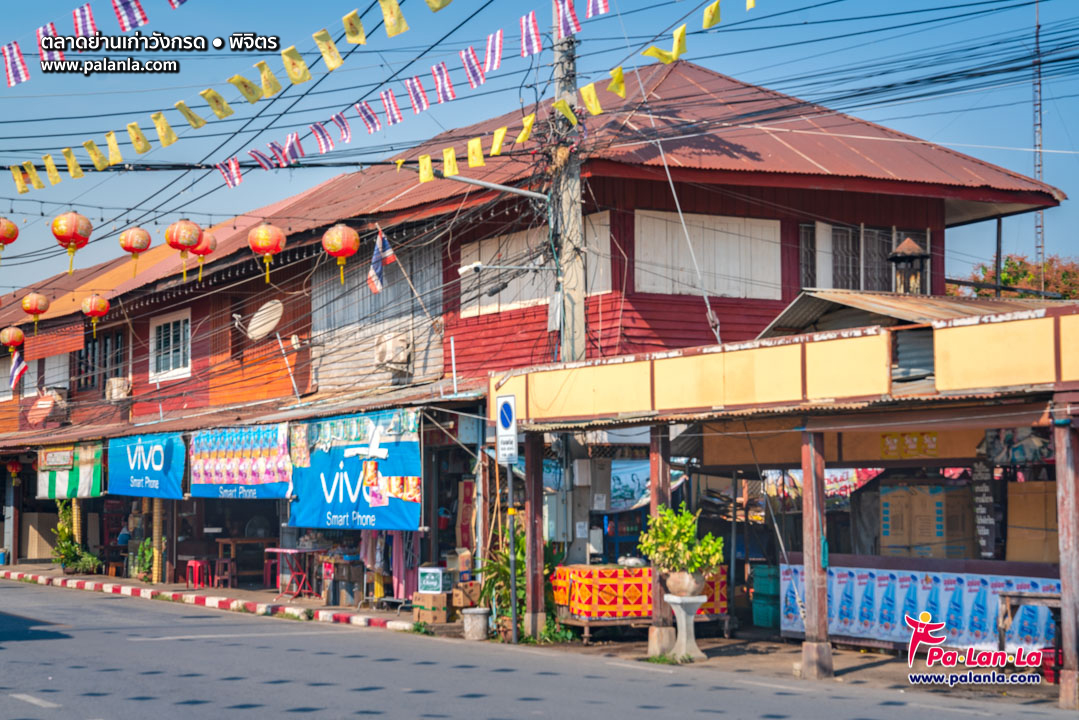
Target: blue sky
[(781, 44)]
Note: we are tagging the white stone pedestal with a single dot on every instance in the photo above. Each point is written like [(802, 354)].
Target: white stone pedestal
[(685, 611)]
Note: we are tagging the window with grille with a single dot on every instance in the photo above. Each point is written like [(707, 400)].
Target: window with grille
[(170, 347), (101, 358), (850, 257)]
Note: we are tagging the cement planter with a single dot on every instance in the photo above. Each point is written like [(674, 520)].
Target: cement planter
[(684, 584)]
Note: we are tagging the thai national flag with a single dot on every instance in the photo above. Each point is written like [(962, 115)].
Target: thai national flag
[(293, 148), (473, 71), (530, 37), (443, 85), (230, 173), (14, 64), (279, 154), (565, 19), (46, 55), (84, 21), (388, 255), (493, 56), (342, 124), (130, 14), (260, 157), (374, 273), (393, 112), (369, 117), (18, 369), (416, 94), (596, 7), (325, 142)]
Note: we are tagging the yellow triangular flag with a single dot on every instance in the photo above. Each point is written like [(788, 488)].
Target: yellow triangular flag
[(395, 21), (138, 140), (20, 183), (328, 49), (251, 92), (295, 67), (588, 96), (217, 103), (354, 33), (35, 179), (115, 158), (618, 83), (399, 162), (192, 117), (711, 15), (750, 4), (678, 49), (95, 155), (50, 169), (73, 168), (475, 152), (526, 131), (437, 5), (563, 107), (449, 162), (164, 130), (496, 141), (270, 85), (427, 173)]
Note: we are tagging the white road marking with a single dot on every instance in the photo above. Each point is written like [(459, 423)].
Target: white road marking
[(965, 711), (35, 701), (214, 636), (642, 666), (775, 686)]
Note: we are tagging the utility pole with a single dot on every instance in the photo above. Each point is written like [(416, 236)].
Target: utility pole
[(565, 210), (1039, 216)]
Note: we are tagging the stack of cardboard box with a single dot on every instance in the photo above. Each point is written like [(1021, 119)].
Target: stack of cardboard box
[(1032, 523), (930, 521), (433, 608)]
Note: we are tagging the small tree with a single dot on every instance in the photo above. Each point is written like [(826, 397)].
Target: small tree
[(1061, 276)]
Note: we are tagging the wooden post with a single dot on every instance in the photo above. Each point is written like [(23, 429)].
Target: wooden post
[(76, 520), (159, 519), (1067, 470), (661, 634), (816, 650), (535, 613)]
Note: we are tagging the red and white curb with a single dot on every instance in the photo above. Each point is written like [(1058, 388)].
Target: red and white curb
[(212, 601)]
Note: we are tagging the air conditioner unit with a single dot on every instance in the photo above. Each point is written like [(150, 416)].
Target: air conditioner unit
[(117, 389), (393, 352)]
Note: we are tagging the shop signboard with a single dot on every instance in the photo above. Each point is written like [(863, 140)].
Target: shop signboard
[(872, 603), (69, 472), (249, 463), (147, 466), (358, 472), (985, 520)]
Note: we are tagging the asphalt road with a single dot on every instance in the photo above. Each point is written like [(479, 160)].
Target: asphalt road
[(68, 654)]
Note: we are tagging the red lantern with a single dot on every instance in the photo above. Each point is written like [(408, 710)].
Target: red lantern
[(183, 235), (12, 337), (135, 240), (95, 307), (72, 231), (14, 467), (35, 304), (9, 232), (266, 240), (207, 244), (341, 242)]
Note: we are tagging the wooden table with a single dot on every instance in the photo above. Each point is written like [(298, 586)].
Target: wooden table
[(1013, 599), (233, 543), (297, 560)]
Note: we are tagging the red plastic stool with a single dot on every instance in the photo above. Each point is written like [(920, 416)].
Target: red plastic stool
[(270, 578), (224, 573), (198, 574)]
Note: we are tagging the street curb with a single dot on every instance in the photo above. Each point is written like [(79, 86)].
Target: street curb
[(214, 602)]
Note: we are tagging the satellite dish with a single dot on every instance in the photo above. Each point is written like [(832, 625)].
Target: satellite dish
[(264, 320)]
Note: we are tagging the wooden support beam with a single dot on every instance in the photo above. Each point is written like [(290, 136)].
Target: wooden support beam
[(662, 633), (535, 613), (816, 650), (1066, 438)]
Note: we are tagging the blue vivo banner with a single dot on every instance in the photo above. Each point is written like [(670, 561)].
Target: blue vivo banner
[(147, 466), (362, 473), (247, 463)]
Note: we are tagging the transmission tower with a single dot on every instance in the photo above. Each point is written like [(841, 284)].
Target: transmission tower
[(1039, 216)]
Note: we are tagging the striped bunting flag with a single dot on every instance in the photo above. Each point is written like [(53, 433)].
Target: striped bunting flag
[(177, 3), (81, 480), (530, 37), (279, 154), (325, 142), (393, 112), (260, 157), (416, 94), (130, 14), (14, 64), (293, 148), (493, 56), (596, 7), (565, 19), (443, 85), (342, 124), (84, 21), (48, 29), (473, 71), (230, 170), (369, 117)]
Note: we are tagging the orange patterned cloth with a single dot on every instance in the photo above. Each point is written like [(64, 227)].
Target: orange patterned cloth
[(598, 592)]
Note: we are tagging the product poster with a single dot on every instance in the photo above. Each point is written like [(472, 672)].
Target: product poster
[(870, 603), (147, 466), (241, 463), (363, 472)]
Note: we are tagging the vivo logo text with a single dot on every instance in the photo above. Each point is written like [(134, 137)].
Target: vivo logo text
[(142, 457)]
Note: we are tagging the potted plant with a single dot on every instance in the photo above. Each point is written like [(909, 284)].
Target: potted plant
[(495, 590), (66, 552), (671, 543)]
